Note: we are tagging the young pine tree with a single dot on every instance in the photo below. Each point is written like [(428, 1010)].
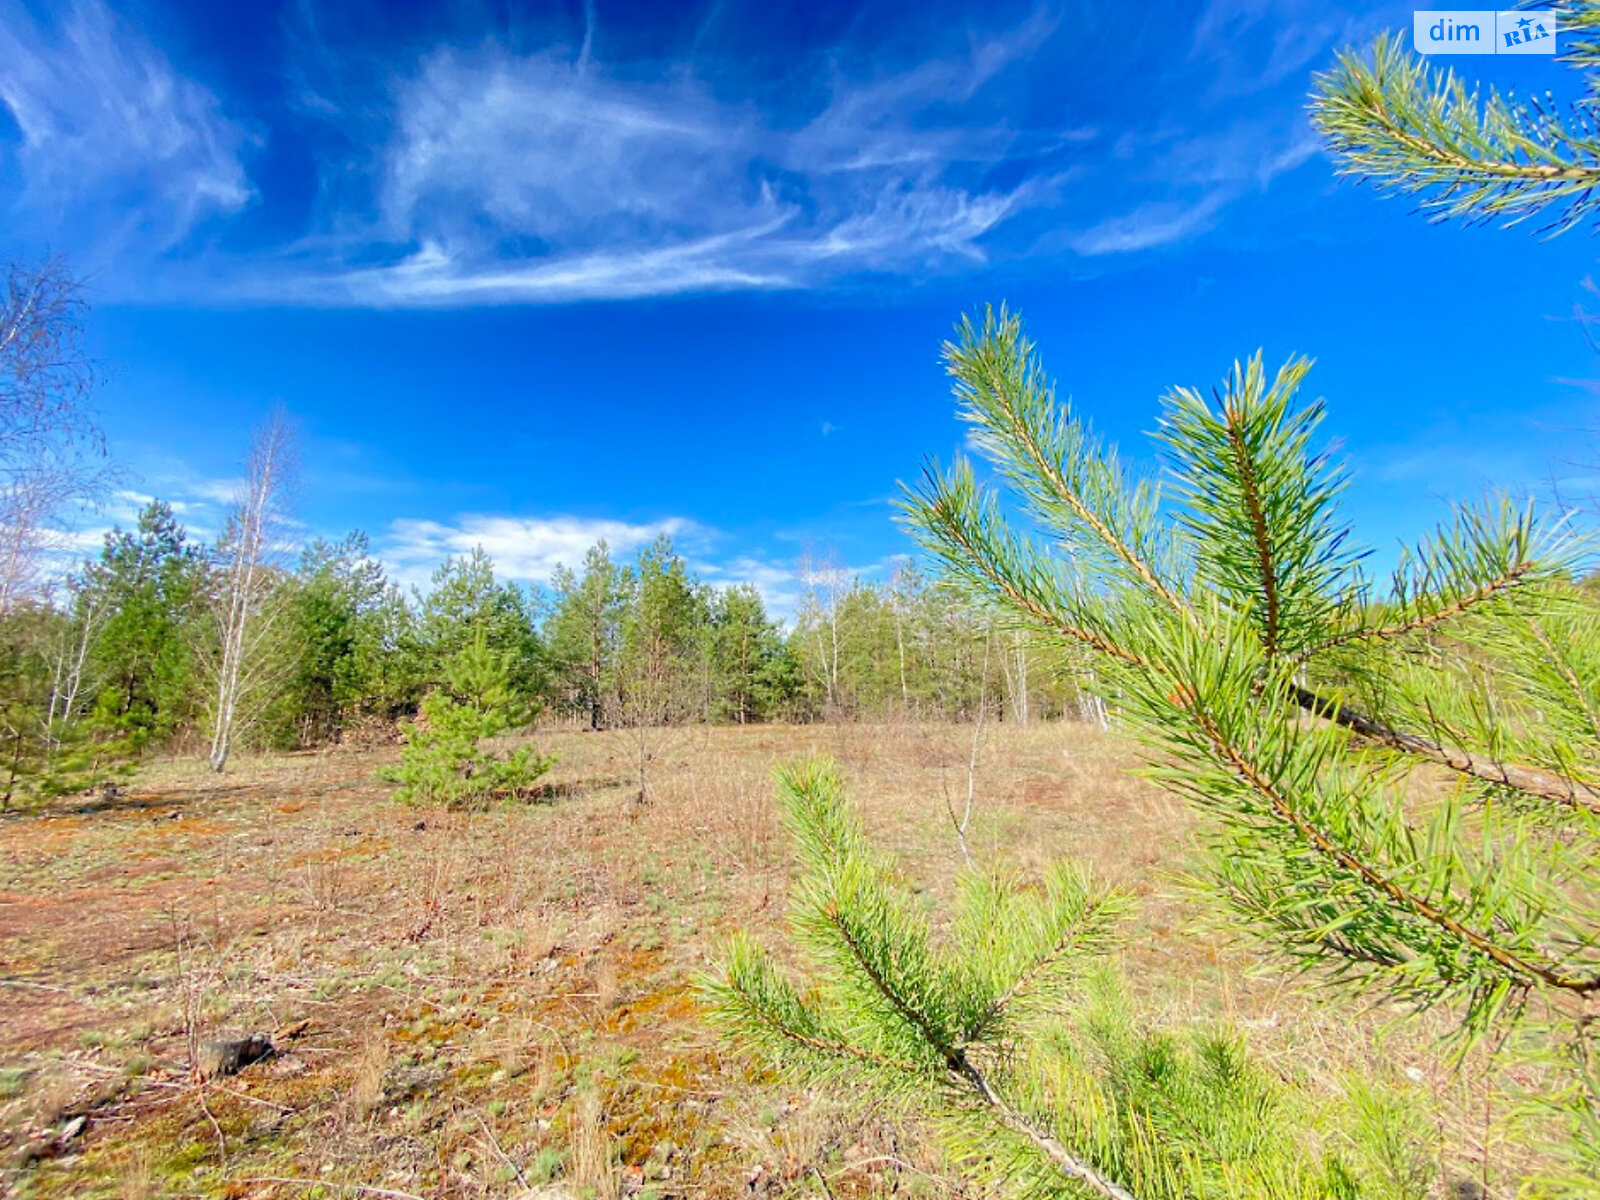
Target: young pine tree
[(1012, 1038), (145, 591), (445, 760), (1402, 785)]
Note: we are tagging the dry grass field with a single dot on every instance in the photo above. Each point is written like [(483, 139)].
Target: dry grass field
[(501, 1003)]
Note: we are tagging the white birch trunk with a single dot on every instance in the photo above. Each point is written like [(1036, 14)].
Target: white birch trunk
[(243, 619)]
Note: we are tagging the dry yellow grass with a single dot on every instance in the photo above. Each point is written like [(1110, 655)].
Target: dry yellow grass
[(501, 1003)]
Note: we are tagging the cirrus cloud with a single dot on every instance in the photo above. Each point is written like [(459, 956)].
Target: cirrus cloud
[(109, 136), (536, 166)]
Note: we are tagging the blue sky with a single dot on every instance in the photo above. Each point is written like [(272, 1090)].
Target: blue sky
[(532, 274)]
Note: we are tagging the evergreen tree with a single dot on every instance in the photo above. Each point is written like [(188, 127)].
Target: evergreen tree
[(752, 672), (1309, 716), (661, 634), (445, 760), (49, 746), (397, 671), (584, 633), (868, 663), (145, 589), (465, 600), (28, 757), (339, 615)]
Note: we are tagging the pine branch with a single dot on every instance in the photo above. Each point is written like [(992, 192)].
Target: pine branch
[(1546, 785), (919, 1021), (756, 1014), (1521, 967), (1066, 1162), (1581, 695), (1084, 924), (1471, 664), (1258, 506), (968, 534), (1424, 620), (1266, 559), (1082, 1105), (1048, 454), (1420, 131), (845, 891)]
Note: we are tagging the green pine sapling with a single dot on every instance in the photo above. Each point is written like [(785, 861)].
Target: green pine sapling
[(1010, 1035), (445, 760)]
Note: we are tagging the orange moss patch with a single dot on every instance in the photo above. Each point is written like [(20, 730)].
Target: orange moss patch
[(191, 826)]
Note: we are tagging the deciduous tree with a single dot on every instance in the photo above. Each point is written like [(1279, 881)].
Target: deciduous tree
[(248, 595), (52, 455)]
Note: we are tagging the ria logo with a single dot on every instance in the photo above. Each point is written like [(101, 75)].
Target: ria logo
[(1484, 31)]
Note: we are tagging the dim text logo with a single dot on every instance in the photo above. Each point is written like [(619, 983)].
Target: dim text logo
[(1484, 31)]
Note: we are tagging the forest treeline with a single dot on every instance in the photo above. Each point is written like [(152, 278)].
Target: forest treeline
[(123, 660)]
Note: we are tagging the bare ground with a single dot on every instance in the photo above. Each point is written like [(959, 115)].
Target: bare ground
[(501, 1003)]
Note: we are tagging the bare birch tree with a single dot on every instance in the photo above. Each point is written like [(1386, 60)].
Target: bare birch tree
[(901, 588), (52, 455), (67, 668), (826, 582), (249, 578)]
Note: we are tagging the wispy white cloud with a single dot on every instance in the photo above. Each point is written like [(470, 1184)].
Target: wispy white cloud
[(529, 177), (216, 491), (532, 169), (778, 583), (1252, 45), (126, 504), (109, 134), (1453, 467), (526, 549), (439, 275), (1155, 223), (783, 584), (1190, 167), (529, 549), (199, 503), (1198, 178)]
